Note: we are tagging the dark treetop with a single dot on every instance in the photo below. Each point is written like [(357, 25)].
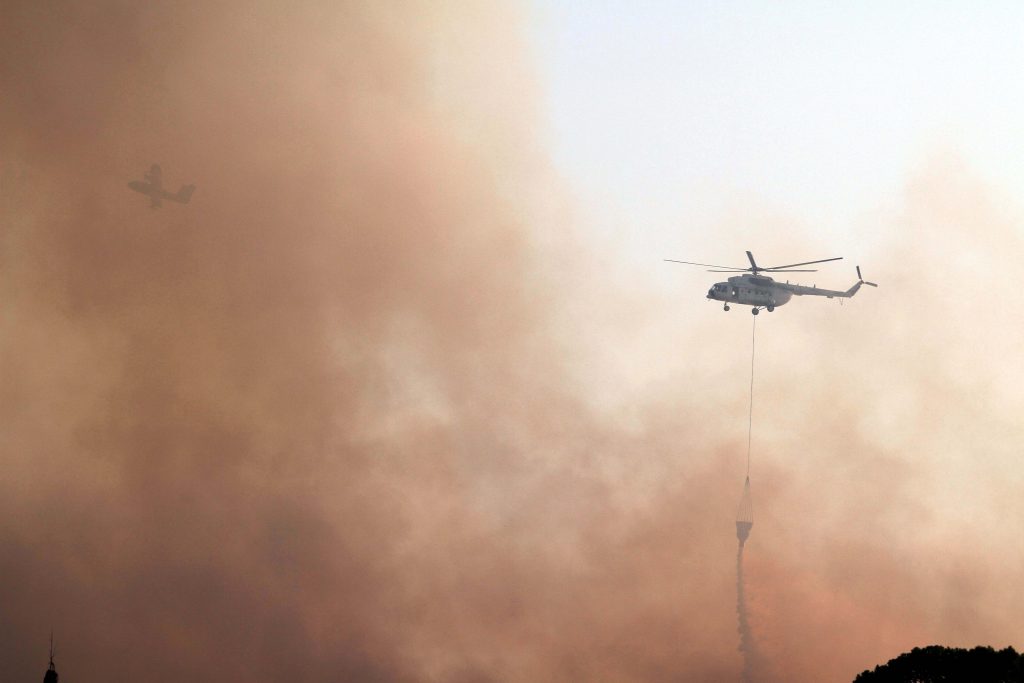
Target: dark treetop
[(935, 663)]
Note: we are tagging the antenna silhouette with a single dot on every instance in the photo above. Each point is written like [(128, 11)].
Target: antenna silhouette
[(51, 672)]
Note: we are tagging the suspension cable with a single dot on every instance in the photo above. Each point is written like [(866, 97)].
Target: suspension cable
[(750, 416)]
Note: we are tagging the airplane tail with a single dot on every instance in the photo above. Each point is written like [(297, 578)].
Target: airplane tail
[(860, 281), (185, 193)]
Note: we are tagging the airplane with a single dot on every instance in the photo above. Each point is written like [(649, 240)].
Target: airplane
[(153, 189), (760, 291)]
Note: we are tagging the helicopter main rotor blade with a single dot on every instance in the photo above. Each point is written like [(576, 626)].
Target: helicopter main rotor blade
[(707, 265), (798, 270), (805, 263), (761, 270), (753, 265)]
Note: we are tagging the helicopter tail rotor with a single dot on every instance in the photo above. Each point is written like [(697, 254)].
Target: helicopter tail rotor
[(861, 278)]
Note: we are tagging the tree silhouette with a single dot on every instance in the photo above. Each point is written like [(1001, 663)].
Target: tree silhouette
[(935, 664)]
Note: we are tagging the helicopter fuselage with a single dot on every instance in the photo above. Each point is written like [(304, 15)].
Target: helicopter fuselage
[(761, 291), (748, 290)]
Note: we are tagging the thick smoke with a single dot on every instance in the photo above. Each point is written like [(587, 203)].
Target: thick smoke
[(316, 424), (355, 414)]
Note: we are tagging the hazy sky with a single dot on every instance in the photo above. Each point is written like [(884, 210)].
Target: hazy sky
[(406, 393), (662, 112)]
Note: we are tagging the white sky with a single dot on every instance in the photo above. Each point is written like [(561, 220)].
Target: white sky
[(662, 115)]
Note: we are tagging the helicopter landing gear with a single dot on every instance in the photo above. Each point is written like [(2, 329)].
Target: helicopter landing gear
[(771, 308), (754, 311), (725, 307)]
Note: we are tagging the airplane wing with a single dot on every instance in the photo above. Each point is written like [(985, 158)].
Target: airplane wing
[(182, 196), (150, 191)]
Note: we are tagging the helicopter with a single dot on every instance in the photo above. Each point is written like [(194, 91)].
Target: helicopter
[(760, 291)]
